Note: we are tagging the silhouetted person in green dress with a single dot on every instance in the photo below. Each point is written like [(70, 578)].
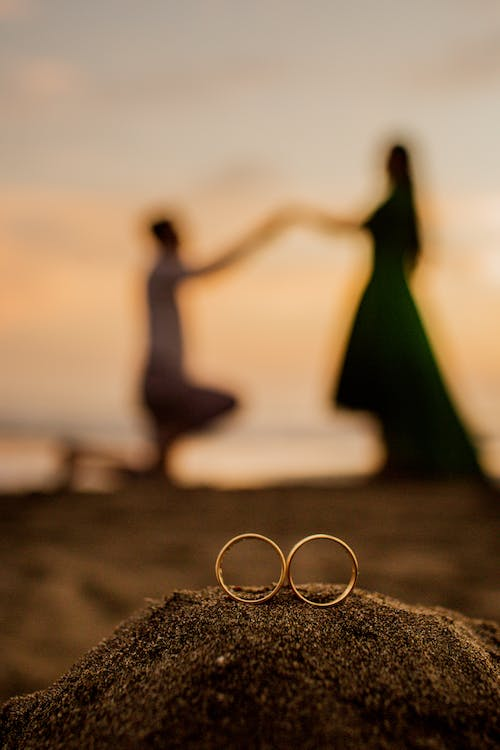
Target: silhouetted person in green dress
[(389, 368)]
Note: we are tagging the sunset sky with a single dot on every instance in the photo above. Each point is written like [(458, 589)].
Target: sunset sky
[(224, 110)]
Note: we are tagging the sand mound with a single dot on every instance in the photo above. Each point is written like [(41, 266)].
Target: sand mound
[(202, 671)]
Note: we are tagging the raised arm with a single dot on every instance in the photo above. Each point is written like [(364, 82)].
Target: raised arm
[(322, 220), (251, 242), (289, 216)]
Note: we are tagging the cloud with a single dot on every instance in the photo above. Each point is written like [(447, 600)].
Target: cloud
[(14, 9), (188, 83), (37, 82), (47, 79), (466, 64)]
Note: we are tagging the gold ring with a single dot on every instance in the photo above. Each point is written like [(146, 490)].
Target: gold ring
[(354, 569), (231, 543)]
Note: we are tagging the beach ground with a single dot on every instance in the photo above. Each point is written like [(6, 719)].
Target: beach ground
[(75, 564)]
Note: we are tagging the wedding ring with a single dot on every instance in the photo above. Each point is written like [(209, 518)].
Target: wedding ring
[(228, 589), (354, 569)]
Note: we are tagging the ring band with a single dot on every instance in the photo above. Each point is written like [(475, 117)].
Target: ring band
[(231, 543), (354, 569)]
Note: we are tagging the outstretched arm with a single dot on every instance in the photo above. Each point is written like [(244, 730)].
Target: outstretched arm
[(271, 226), (322, 219)]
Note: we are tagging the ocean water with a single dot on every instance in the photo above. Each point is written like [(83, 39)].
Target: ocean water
[(240, 451)]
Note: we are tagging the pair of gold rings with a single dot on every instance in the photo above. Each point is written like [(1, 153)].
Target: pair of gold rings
[(286, 569)]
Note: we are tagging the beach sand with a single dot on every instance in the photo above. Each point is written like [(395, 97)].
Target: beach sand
[(200, 670), (75, 565)]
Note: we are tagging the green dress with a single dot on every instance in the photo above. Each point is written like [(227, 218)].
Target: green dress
[(389, 367)]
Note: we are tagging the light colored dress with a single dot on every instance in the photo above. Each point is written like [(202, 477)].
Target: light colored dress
[(168, 394)]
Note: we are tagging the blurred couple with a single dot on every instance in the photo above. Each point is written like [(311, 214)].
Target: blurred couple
[(388, 369)]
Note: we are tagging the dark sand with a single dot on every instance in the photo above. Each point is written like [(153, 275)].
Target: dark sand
[(75, 565), (202, 671)]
